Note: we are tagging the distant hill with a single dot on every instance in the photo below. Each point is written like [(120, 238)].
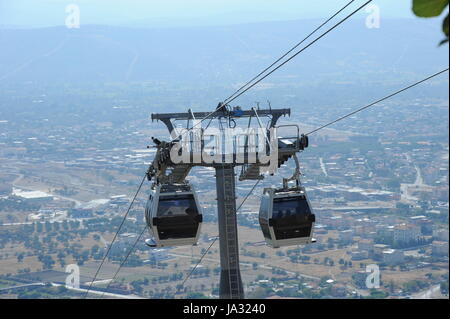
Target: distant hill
[(220, 55)]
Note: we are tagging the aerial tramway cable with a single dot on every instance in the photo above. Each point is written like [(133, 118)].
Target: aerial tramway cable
[(115, 236), (244, 89), (323, 126), (217, 237), (378, 101), (300, 51), (124, 260), (289, 51), (241, 90)]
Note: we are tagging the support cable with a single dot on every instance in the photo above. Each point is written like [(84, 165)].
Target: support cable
[(285, 54), (124, 260), (378, 101), (217, 237), (234, 96), (300, 51), (115, 236)]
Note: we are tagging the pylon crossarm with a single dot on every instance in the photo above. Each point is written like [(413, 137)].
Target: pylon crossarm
[(163, 168)]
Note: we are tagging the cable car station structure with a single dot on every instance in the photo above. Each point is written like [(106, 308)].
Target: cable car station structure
[(182, 228)]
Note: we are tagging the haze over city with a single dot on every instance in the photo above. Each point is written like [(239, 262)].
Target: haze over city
[(76, 100)]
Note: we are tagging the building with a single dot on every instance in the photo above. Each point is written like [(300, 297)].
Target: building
[(337, 222), (440, 234), (5, 189), (393, 256), (119, 200), (46, 214), (159, 254), (439, 248), (364, 226), (366, 245), (33, 196), (320, 229), (123, 242), (417, 219), (378, 251), (406, 233), (80, 213), (385, 231), (346, 236), (359, 230), (359, 254), (426, 225), (371, 235)]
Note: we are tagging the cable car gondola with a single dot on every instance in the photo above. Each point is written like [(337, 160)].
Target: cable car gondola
[(285, 214), (285, 217), (173, 215)]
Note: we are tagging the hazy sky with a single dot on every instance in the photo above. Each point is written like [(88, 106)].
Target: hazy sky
[(26, 13)]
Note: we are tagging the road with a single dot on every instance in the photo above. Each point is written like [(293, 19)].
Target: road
[(404, 188), (247, 264), (19, 224), (356, 208), (20, 177), (322, 166), (101, 293), (57, 220), (430, 293), (37, 284), (104, 242), (91, 291)]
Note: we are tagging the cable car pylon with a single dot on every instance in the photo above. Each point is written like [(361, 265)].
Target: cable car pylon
[(167, 172)]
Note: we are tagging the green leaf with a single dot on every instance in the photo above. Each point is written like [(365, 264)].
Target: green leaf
[(429, 8), (445, 30), (445, 26)]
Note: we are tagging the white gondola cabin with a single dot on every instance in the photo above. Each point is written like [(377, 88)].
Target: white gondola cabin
[(286, 217), (173, 215)]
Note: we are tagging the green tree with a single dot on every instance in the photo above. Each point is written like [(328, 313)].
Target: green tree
[(196, 295), (20, 257), (432, 8), (391, 286), (377, 294), (444, 288)]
